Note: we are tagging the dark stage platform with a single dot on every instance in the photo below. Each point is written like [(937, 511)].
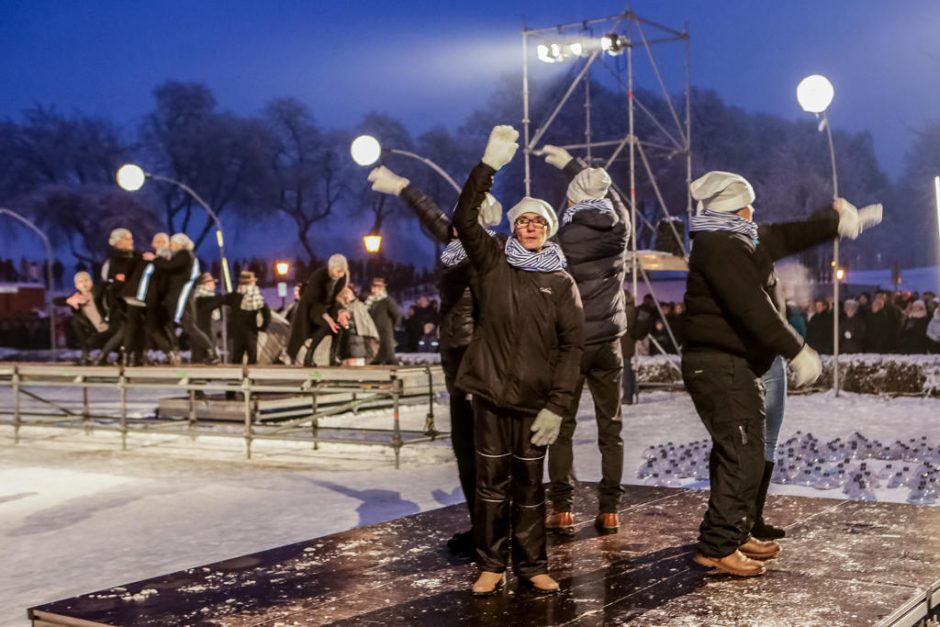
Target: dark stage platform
[(845, 563)]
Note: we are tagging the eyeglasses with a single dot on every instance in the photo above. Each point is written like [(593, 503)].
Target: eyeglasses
[(538, 222)]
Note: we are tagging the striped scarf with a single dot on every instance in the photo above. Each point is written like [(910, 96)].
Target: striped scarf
[(602, 205), (708, 220), (549, 259), (454, 253), (252, 300)]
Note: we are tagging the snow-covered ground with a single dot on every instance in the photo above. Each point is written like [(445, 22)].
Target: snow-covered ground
[(77, 514)]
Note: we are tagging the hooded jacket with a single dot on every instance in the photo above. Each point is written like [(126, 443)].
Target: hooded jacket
[(526, 351)]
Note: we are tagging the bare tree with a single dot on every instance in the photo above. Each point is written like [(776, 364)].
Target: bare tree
[(305, 172)]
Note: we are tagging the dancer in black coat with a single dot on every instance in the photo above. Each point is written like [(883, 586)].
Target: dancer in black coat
[(316, 314), (386, 315), (182, 270)]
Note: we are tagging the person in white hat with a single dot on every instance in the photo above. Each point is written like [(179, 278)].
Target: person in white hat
[(521, 368), (736, 332), (459, 292), (594, 234)]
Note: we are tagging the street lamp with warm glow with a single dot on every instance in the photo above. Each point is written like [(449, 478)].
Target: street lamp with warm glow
[(840, 274), (372, 242), (365, 150), (281, 268)]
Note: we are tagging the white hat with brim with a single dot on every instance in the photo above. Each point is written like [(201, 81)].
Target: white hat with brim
[(538, 207)]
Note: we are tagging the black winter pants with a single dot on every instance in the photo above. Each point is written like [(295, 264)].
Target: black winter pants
[(196, 337), (729, 398), (602, 368), (510, 497), (461, 424), (245, 343)]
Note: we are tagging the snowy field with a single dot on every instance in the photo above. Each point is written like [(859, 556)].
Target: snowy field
[(77, 514)]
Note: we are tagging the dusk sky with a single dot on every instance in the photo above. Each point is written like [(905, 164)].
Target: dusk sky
[(431, 63)]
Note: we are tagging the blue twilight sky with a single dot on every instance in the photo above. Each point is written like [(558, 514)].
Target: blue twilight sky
[(432, 62)]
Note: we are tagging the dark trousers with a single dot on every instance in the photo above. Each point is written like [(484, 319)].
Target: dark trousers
[(320, 332), (461, 424), (87, 336), (197, 339), (729, 398), (510, 497), (602, 368), (245, 343), (143, 325)]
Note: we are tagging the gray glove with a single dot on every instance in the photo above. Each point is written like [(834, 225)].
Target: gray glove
[(501, 146), (545, 428), (558, 157), (387, 182), (806, 366)]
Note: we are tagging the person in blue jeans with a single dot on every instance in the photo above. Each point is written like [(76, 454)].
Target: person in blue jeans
[(775, 400)]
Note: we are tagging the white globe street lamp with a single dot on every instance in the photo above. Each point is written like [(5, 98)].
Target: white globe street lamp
[(815, 93), (130, 177), (365, 150)]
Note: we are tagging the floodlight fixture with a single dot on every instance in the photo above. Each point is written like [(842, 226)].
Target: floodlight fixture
[(614, 44), (815, 93), (365, 150)]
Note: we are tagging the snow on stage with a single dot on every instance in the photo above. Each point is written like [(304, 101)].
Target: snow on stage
[(843, 563)]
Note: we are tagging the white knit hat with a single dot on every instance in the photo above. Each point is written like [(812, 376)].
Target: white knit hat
[(589, 183), (722, 191), (538, 207), (491, 211)]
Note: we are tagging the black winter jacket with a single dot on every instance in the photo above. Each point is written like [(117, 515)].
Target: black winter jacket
[(595, 244), (731, 296), (526, 352)]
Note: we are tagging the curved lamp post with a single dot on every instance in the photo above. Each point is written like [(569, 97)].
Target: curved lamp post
[(815, 94), (49, 277), (366, 150)]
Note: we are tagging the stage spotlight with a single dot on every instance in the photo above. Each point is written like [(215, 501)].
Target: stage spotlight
[(614, 44)]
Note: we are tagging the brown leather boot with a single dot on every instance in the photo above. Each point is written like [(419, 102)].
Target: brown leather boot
[(736, 564), (488, 583), (607, 521), (560, 522), (760, 549), (543, 584)]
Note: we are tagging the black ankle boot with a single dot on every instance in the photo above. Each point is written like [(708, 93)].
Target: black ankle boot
[(761, 530)]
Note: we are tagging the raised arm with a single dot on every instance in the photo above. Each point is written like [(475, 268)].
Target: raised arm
[(431, 216)]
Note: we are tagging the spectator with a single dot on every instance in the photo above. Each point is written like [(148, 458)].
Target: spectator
[(796, 318), (428, 342), (819, 328), (933, 332), (912, 340), (851, 329), (386, 315)]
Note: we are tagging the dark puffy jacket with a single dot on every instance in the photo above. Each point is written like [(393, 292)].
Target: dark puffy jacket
[(147, 284), (526, 352), (731, 296), (594, 244)]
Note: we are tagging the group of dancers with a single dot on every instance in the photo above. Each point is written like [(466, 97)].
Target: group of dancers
[(530, 318)]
